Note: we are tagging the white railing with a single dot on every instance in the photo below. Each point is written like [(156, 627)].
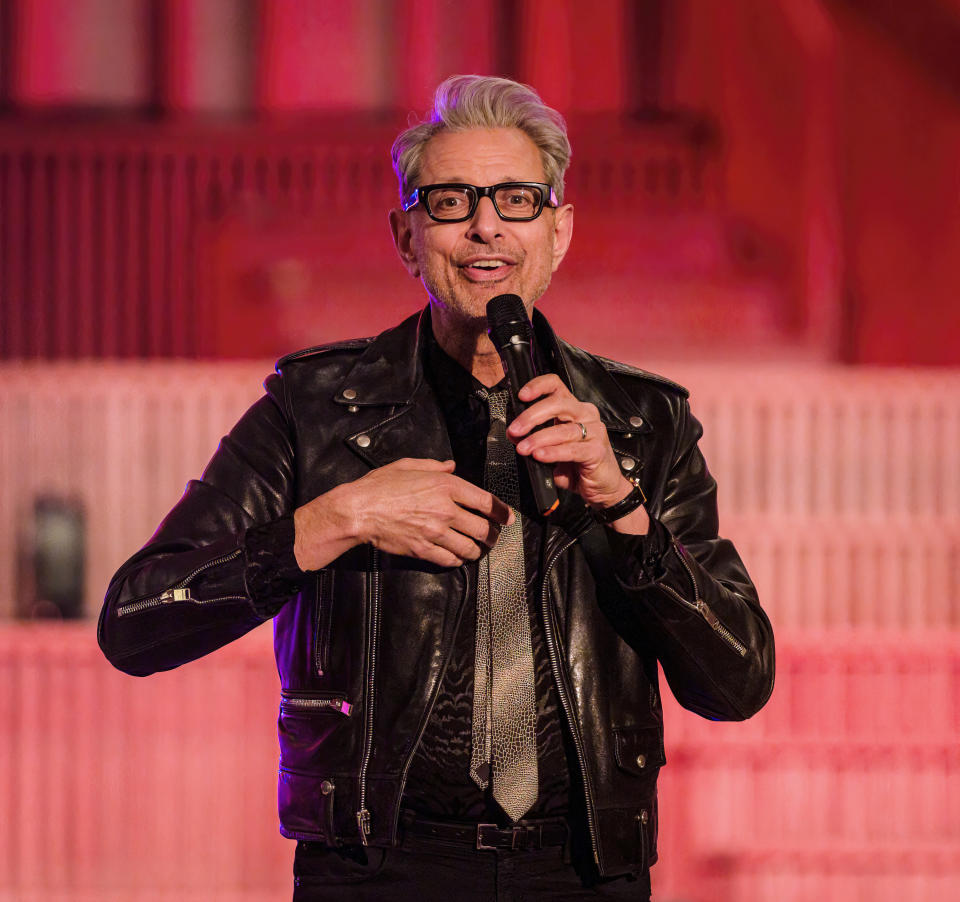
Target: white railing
[(841, 487), (116, 788)]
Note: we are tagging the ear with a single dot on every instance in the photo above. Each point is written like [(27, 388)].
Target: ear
[(562, 233), (402, 238)]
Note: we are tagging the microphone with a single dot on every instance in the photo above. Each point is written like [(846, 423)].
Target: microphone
[(512, 336)]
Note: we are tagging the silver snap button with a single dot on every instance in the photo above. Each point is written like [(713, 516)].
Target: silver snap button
[(363, 441), (350, 393), (353, 408), (636, 422), (641, 760), (326, 787), (628, 463), (644, 816)]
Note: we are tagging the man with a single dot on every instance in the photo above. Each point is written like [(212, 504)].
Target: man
[(469, 700)]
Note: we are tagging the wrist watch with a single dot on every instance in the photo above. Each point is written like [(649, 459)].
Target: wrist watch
[(623, 507)]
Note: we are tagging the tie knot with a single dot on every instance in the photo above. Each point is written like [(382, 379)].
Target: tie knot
[(497, 402)]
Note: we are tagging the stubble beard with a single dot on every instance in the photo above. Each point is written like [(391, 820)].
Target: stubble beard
[(468, 309)]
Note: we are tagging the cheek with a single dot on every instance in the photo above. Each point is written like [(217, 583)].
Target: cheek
[(433, 253)]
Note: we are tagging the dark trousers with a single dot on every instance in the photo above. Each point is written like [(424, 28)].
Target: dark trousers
[(430, 870)]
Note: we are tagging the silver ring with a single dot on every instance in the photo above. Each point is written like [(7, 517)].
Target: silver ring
[(583, 432)]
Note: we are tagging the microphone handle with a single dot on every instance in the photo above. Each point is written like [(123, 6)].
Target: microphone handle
[(518, 363)]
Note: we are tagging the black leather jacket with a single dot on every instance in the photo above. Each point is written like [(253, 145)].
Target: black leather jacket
[(362, 647)]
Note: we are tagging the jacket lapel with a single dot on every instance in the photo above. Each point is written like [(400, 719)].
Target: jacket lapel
[(398, 414), (393, 400)]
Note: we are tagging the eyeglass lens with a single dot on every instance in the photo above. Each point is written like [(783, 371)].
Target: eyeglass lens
[(511, 202)]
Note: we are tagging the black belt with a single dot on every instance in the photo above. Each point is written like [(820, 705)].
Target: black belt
[(524, 837)]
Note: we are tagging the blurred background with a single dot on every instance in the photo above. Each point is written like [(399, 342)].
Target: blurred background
[(766, 198)]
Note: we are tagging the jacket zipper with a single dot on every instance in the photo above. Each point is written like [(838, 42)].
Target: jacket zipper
[(321, 641), (363, 814), (560, 679), (180, 592), (333, 702), (699, 605), (426, 720)]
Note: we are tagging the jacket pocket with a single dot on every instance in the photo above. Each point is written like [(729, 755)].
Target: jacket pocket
[(323, 619), (639, 750), (306, 805), (314, 730)]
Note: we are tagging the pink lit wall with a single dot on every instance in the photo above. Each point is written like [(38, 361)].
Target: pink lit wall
[(765, 194)]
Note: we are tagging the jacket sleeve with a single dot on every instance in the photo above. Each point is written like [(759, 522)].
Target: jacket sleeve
[(684, 595), (221, 562)]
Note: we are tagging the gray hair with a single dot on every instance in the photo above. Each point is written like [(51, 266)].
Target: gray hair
[(463, 102)]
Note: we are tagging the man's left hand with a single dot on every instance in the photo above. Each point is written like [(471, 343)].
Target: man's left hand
[(585, 465)]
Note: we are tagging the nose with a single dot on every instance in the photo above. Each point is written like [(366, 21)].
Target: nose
[(485, 224)]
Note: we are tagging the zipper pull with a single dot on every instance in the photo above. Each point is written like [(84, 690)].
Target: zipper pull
[(363, 822), (708, 614), (176, 595)]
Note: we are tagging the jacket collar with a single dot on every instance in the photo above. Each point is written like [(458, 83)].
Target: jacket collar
[(387, 373), (389, 377)]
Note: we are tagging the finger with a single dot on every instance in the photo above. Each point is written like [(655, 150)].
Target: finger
[(561, 434), (457, 543), (441, 556), (542, 385), (466, 494), (478, 528), (553, 407), (424, 463), (575, 452), (438, 535)]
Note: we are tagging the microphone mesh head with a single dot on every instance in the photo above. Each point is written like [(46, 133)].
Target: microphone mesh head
[(506, 317)]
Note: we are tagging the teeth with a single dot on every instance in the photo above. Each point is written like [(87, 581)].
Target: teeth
[(488, 264)]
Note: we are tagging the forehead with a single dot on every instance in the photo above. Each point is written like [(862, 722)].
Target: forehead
[(481, 156)]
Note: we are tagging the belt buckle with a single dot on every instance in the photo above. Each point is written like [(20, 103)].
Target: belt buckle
[(480, 843), (522, 837)]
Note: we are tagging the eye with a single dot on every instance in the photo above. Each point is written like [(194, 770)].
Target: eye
[(518, 200), (520, 197), (449, 202)]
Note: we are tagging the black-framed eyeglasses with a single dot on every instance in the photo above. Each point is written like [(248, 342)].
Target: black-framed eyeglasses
[(457, 202)]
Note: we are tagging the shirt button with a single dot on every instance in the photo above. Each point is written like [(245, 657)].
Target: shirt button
[(628, 463), (363, 441), (636, 422), (350, 393)]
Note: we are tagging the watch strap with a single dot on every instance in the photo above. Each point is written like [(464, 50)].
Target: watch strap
[(623, 507)]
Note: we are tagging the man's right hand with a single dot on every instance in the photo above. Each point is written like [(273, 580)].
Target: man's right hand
[(413, 507)]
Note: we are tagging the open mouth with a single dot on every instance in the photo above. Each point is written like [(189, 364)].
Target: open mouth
[(485, 270)]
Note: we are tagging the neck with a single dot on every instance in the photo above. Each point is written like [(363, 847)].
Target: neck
[(467, 342)]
